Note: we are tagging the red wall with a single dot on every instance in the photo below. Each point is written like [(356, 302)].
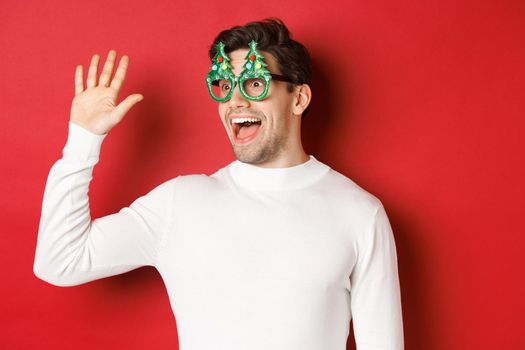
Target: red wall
[(419, 102)]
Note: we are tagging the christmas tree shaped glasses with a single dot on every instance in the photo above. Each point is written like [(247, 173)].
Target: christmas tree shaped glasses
[(254, 80)]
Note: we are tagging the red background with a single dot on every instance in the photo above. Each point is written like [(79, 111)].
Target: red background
[(419, 102)]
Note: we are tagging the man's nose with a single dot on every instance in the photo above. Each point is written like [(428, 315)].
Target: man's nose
[(237, 100)]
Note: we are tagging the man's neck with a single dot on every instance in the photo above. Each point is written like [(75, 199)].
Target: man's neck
[(286, 160)]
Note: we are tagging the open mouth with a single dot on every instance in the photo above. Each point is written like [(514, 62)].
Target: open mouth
[(245, 129)]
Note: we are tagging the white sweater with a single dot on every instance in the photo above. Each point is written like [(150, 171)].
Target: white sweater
[(252, 258)]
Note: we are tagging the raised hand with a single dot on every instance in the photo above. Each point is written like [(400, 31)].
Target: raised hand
[(94, 108)]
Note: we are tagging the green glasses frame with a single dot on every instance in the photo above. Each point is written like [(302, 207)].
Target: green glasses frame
[(254, 67)]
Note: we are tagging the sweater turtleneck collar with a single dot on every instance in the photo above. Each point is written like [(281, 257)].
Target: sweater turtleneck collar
[(277, 179)]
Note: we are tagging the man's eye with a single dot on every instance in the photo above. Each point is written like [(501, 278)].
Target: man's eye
[(257, 83)]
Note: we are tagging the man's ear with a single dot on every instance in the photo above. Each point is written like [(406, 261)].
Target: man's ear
[(303, 96)]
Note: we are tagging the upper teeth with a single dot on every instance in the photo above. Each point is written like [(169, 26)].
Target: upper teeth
[(244, 120)]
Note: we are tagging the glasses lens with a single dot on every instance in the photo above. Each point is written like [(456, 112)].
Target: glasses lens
[(220, 88), (254, 87)]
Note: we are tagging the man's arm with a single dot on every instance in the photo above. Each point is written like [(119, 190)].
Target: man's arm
[(375, 293), (72, 249)]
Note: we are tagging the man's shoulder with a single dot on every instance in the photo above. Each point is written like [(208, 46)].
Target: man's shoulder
[(348, 192), (193, 181), (196, 181)]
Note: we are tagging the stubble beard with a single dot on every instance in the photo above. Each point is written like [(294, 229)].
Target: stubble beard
[(260, 151)]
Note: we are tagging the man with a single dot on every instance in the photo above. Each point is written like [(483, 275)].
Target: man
[(274, 251)]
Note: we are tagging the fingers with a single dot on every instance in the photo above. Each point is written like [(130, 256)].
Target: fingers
[(124, 106), (120, 75), (105, 77), (92, 72), (108, 68), (79, 84)]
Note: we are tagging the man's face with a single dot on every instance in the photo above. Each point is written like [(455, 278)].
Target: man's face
[(268, 137)]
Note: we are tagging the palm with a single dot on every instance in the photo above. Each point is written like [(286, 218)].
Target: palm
[(95, 108), (96, 104)]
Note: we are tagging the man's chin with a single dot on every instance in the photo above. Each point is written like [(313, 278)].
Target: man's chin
[(248, 156)]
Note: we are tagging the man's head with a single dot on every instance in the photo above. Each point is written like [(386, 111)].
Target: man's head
[(274, 136)]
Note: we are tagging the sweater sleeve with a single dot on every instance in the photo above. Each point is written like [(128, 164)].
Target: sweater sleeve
[(375, 293), (73, 249)]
